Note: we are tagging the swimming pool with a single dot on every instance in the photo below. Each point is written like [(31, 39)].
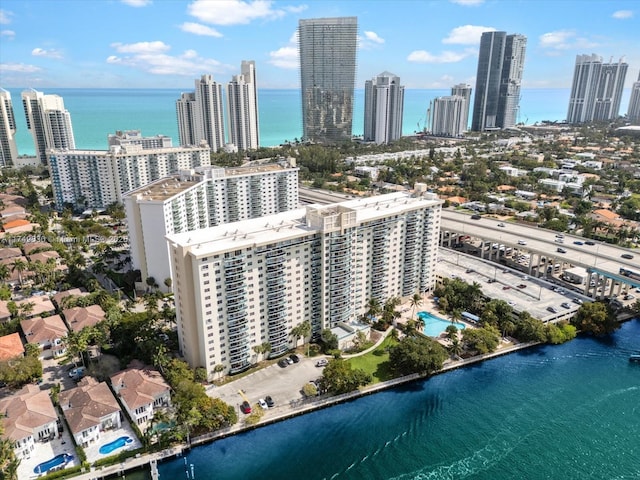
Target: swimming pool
[(434, 326), (61, 459), (117, 443)]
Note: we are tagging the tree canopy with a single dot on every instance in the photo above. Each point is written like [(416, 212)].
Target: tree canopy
[(340, 377), (417, 354), (595, 318)]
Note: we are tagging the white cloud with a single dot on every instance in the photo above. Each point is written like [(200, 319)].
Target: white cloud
[(141, 47), (41, 52), (7, 33), (422, 56), (199, 29), (136, 3), (467, 35), (468, 3), (561, 40), (285, 57), (151, 57), (373, 36), (622, 14), (236, 12), (19, 67), (5, 17), (298, 9)]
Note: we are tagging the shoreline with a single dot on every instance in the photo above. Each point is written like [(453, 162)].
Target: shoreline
[(143, 461)]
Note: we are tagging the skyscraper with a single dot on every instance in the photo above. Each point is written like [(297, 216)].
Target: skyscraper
[(447, 116), (200, 114), (49, 123), (498, 80), (8, 147), (596, 90), (383, 107), (242, 108), (463, 90), (327, 77), (633, 113)]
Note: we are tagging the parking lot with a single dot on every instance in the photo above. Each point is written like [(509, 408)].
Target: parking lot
[(283, 385)]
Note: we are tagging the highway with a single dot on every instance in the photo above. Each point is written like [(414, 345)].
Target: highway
[(601, 256)]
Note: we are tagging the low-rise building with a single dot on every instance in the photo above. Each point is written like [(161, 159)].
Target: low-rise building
[(142, 391), (90, 409), (78, 318), (37, 306), (47, 333), (11, 347), (28, 417)]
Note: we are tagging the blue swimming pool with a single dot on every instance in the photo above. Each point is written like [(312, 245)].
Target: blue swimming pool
[(434, 326), (61, 459), (116, 444)]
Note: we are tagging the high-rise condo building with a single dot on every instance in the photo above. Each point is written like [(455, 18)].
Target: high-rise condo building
[(240, 285), (49, 123), (8, 146), (200, 114), (327, 49), (447, 116), (242, 108), (202, 198), (97, 178), (463, 90), (596, 90), (633, 113), (383, 108), (134, 137), (498, 81)]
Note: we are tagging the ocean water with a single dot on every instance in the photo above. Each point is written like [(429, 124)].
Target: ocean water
[(96, 113), (552, 412)]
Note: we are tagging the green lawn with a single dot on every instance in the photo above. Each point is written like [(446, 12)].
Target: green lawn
[(376, 362)]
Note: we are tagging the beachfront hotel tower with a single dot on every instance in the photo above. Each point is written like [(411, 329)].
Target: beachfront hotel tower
[(633, 113), (246, 283), (327, 48), (596, 90), (242, 108), (498, 81), (48, 122), (200, 198), (8, 146), (383, 108), (200, 114)]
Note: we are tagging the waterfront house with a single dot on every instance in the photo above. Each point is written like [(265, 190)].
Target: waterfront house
[(142, 391), (28, 417), (11, 347), (79, 317), (90, 409), (47, 333)]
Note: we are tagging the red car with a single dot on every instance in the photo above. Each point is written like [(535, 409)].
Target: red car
[(245, 407), (506, 287)]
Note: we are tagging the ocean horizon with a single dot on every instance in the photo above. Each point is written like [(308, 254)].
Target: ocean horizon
[(96, 113)]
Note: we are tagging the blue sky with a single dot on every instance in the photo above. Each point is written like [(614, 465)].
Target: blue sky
[(169, 43)]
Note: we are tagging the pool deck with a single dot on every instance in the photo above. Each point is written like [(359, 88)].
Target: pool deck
[(45, 452), (93, 450)]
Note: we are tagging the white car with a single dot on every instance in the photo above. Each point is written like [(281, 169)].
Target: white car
[(263, 404), (521, 242)]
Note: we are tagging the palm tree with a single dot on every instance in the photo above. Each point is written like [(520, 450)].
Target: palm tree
[(373, 309), (456, 348), (20, 266), (5, 272), (415, 302)]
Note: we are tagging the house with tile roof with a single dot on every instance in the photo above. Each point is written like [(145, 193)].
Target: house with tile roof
[(40, 306), (29, 417), (79, 317), (10, 252), (142, 391), (32, 247), (60, 296), (5, 314), (47, 333), (90, 409), (11, 347)]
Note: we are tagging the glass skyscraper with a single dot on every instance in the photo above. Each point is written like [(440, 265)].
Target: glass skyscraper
[(327, 77), (498, 80)]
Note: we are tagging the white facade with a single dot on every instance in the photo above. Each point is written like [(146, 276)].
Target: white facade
[(383, 108), (463, 90), (49, 123), (98, 178), (448, 116), (242, 284), (242, 108), (200, 114), (633, 113), (134, 137), (199, 199), (8, 146)]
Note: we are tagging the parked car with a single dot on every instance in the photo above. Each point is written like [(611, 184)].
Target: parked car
[(294, 358), (578, 242), (577, 301), (565, 305), (522, 285), (589, 242), (628, 256), (245, 407), (322, 362), (283, 363), (522, 242), (552, 309), (561, 250), (501, 224), (269, 400), (77, 372), (263, 404), (475, 217)]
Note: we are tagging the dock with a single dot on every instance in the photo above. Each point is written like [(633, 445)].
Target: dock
[(153, 466)]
